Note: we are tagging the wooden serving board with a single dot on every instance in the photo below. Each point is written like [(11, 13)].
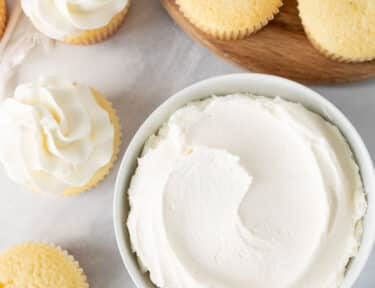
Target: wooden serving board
[(280, 48)]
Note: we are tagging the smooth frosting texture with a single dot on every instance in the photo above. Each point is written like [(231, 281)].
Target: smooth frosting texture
[(246, 191), (55, 135), (61, 18)]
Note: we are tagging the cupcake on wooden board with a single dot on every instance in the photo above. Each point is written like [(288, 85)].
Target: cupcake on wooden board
[(77, 22), (229, 20), (58, 137), (342, 30), (3, 16), (40, 265)]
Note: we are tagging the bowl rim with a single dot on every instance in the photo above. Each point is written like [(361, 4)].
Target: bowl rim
[(289, 90)]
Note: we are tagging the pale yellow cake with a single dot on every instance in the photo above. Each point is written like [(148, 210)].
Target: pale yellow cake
[(39, 265), (229, 20), (343, 30)]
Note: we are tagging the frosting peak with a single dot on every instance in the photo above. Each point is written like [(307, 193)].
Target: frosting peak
[(56, 135), (61, 18)]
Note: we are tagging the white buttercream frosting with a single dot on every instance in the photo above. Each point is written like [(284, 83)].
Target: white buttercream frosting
[(55, 135), (61, 18), (246, 191)]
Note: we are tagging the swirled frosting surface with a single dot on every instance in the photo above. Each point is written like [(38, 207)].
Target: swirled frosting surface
[(246, 191), (55, 135), (61, 18)]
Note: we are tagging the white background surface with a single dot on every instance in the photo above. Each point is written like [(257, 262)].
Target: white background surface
[(146, 62)]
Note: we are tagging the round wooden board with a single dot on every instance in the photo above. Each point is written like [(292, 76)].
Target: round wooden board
[(280, 48)]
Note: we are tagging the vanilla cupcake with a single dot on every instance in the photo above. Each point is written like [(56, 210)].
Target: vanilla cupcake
[(229, 20), (3, 16), (40, 265), (77, 22), (342, 30), (57, 136)]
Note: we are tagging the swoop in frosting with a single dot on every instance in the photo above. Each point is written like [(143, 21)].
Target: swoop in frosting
[(55, 135), (246, 191), (62, 18)]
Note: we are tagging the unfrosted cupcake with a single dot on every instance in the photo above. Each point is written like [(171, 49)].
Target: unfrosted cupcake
[(229, 20), (57, 136), (342, 30), (40, 265), (77, 22), (3, 16)]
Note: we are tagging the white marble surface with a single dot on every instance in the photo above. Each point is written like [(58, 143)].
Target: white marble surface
[(146, 62)]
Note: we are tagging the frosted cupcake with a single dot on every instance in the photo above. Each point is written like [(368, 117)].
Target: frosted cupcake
[(229, 20), (3, 16), (57, 136), (342, 30), (40, 265), (77, 22)]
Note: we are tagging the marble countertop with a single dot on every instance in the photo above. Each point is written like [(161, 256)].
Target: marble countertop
[(146, 62)]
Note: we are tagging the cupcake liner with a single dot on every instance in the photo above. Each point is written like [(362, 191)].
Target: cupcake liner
[(104, 171), (234, 34), (94, 36), (60, 255), (3, 16), (325, 52)]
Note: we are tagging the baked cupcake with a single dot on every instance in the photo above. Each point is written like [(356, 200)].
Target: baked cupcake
[(58, 137), (3, 16), (77, 22), (40, 265), (342, 30), (229, 20)]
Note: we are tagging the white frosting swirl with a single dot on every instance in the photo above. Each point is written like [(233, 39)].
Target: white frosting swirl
[(55, 135), (241, 191), (61, 18)]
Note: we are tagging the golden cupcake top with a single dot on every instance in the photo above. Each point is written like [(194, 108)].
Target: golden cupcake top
[(229, 19), (40, 265), (343, 29)]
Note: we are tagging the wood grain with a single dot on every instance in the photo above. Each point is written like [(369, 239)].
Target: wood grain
[(280, 48)]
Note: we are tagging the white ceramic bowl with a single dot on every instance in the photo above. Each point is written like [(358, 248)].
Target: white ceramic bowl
[(258, 84)]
